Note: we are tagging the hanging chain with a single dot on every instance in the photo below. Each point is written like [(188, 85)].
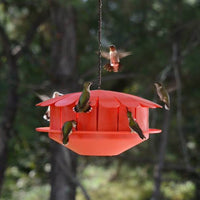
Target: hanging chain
[(99, 38)]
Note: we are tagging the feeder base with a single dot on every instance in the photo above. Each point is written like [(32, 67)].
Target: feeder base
[(99, 143)]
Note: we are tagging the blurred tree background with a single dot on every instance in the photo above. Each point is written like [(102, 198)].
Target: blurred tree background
[(51, 45)]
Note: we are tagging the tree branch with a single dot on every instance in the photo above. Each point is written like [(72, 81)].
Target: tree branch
[(190, 48), (5, 40)]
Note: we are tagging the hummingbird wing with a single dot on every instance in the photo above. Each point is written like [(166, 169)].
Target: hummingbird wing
[(140, 132), (83, 103), (84, 98), (105, 55), (56, 94), (164, 96), (46, 116), (66, 130), (42, 97), (123, 54), (135, 126), (166, 100)]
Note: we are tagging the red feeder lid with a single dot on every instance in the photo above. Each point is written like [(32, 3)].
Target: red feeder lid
[(104, 131)]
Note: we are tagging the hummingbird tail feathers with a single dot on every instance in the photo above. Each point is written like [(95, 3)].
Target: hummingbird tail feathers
[(105, 55), (108, 67), (89, 109), (123, 54), (65, 140), (86, 110), (166, 107), (138, 131), (120, 67), (46, 117), (142, 136)]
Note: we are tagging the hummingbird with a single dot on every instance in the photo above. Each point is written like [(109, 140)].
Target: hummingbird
[(83, 103), (133, 125), (67, 130), (163, 94), (114, 56), (43, 97)]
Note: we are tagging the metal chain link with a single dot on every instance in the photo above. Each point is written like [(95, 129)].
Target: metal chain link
[(99, 39)]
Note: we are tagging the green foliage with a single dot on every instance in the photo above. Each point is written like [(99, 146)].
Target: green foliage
[(131, 183), (179, 191)]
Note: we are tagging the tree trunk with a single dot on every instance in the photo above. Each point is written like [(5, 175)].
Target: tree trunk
[(177, 59), (162, 151), (64, 54), (9, 114), (177, 71), (63, 185), (64, 79)]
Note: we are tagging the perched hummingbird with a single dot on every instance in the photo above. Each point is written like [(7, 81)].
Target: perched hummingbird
[(114, 56), (163, 94), (83, 103), (133, 125), (46, 116), (67, 130)]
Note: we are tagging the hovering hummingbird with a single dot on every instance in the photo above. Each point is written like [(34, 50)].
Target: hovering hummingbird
[(133, 125), (114, 56), (46, 116), (163, 94), (83, 103), (67, 130)]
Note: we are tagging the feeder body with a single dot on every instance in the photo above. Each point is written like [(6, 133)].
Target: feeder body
[(104, 131)]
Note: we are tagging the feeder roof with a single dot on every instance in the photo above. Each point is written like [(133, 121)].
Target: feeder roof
[(105, 97)]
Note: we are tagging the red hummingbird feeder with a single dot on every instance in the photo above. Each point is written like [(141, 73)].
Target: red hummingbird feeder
[(105, 130)]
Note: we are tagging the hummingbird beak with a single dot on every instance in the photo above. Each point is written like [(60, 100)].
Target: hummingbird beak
[(156, 84), (90, 83)]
